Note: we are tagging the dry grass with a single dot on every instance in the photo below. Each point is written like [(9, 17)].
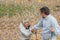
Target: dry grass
[(12, 12)]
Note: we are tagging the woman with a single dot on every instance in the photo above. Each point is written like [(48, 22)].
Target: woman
[(25, 30)]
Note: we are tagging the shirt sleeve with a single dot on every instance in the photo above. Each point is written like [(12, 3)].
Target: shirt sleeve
[(38, 25), (25, 32), (56, 26)]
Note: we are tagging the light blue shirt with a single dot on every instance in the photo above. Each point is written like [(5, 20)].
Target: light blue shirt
[(46, 24)]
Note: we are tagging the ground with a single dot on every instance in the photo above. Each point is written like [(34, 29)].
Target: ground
[(12, 12)]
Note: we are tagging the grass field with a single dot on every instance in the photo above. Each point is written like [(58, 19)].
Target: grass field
[(13, 11)]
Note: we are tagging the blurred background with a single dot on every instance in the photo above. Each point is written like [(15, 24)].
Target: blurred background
[(13, 11)]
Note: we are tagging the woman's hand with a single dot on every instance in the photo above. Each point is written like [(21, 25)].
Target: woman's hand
[(34, 31)]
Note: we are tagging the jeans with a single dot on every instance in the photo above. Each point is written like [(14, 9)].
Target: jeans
[(53, 38)]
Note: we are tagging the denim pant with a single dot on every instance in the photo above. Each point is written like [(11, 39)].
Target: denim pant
[(53, 38)]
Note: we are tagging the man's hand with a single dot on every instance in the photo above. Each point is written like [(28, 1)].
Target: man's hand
[(33, 31), (52, 29)]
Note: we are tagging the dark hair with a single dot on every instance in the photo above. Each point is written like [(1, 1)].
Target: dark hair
[(45, 10)]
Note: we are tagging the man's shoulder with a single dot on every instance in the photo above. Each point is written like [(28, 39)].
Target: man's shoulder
[(40, 19), (52, 18)]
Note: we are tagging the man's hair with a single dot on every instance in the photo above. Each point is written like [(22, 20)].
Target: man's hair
[(45, 10)]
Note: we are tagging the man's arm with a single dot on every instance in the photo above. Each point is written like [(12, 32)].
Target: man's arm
[(55, 26), (38, 25)]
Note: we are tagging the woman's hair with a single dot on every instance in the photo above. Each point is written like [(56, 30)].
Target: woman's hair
[(25, 20)]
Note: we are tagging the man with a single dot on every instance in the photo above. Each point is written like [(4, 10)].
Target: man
[(48, 24), (25, 30)]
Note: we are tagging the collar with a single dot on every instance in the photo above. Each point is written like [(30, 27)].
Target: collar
[(48, 16)]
